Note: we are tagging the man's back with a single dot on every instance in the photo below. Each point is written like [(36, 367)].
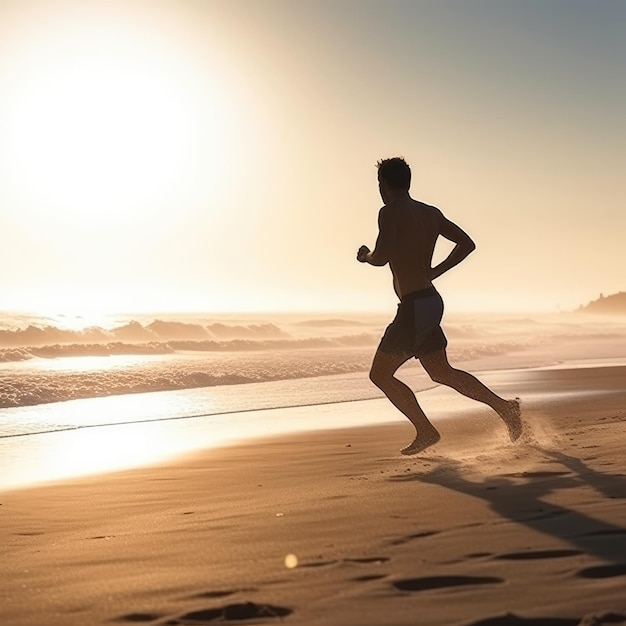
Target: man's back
[(414, 228)]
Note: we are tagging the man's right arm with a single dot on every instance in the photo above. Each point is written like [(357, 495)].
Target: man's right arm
[(464, 246), (384, 242)]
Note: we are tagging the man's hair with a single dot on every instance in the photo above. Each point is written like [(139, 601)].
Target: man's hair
[(395, 172)]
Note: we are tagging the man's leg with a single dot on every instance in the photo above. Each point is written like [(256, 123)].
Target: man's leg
[(439, 369), (382, 373)]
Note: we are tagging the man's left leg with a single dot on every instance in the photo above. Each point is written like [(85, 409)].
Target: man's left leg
[(382, 373)]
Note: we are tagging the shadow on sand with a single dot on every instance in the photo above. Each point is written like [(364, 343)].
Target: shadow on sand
[(519, 498)]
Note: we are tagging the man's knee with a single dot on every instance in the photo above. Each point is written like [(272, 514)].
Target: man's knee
[(377, 377), (439, 375), (384, 367), (440, 371), (380, 376)]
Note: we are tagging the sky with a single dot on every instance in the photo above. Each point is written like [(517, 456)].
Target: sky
[(190, 155)]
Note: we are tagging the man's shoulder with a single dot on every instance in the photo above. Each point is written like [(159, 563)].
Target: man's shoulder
[(392, 211), (422, 206)]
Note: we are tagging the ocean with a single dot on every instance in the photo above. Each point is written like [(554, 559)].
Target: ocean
[(63, 373)]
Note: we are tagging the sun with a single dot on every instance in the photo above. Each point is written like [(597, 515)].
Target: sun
[(98, 142), (130, 135), (105, 123)]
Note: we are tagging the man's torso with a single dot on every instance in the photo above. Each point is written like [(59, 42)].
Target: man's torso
[(415, 228)]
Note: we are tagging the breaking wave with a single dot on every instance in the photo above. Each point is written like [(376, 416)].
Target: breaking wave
[(32, 386), (46, 362), (136, 332), (167, 337), (169, 347)]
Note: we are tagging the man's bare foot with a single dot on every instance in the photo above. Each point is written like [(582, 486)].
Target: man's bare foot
[(511, 415), (420, 443)]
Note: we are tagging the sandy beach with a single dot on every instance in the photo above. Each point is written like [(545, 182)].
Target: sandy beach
[(335, 527), (226, 226)]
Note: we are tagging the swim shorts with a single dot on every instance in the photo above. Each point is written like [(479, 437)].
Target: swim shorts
[(416, 328)]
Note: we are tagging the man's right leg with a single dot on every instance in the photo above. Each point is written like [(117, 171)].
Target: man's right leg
[(382, 373), (439, 369)]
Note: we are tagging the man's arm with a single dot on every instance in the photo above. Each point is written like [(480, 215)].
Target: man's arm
[(464, 245), (380, 255)]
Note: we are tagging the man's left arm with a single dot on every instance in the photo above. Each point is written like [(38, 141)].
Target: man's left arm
[(464, 246), (381, 253)]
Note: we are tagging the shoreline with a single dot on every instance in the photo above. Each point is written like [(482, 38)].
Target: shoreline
[(46, 458)]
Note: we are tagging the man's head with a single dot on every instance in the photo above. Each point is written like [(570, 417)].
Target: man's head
[(395, 173)]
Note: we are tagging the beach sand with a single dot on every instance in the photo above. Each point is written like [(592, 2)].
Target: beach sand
[(475, 531)]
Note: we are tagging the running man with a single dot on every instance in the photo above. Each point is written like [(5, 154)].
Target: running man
[(407, 233)]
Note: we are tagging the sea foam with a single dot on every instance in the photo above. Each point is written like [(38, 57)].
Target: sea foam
[(43, 362)]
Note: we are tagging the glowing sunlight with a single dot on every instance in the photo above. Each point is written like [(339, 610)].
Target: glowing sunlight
[(107, 124)]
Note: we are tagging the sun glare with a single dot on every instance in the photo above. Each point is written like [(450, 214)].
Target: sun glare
[(105, 123)]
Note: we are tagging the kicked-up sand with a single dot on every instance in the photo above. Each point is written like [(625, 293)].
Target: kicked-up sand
[(335, 527)]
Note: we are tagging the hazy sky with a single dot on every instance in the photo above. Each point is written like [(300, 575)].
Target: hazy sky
[(221, 155)]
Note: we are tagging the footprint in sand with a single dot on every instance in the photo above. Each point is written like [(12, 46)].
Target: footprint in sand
[(316, 564), (510, 619), (363, 560), (368, 577), (376, 560), (368, 559), (603, 571), (138, 618), (421, 535), (230, 612), (443, 582), (222, 593), (466, 557), (537, 554)]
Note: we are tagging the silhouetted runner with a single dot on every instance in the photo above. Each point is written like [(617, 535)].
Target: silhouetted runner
[(407, 233)]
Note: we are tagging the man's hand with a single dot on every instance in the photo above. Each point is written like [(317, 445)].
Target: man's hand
[(361, 255)]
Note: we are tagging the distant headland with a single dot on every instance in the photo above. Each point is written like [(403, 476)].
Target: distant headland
[(614, 304)]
